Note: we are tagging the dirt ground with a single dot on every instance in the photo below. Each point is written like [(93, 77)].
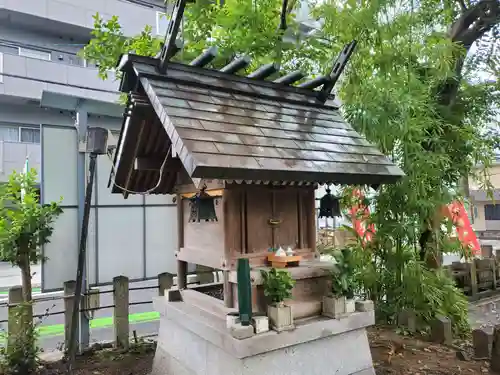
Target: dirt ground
[(393, 354), (100, 361)]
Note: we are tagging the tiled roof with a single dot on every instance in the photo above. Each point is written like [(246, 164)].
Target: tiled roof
[(223, 126)]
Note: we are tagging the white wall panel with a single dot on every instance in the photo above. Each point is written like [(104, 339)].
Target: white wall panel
[(161, 240), (61, 251), (92, 249), (121, 242), (104, 193), (59, 157), (96, 182)]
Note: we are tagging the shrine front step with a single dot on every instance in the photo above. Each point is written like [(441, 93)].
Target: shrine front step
[(190, 343)]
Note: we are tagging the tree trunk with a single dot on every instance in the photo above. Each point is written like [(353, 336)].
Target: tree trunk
[(24, 265), (470, 26)]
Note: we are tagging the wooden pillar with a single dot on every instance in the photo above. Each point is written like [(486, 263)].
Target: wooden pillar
[(300, 219), (165, 282), (181, 265), (311, 219), (69, 295), (227, 287), (228, 290), (473, 278), (121, 310), (15, 320)]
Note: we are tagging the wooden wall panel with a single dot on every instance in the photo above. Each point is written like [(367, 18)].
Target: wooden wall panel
[(287, 233), (204, 235), (259, 211), (233, 221)]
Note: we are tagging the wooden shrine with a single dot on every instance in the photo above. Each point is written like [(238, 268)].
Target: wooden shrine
[(244, 153), (256, 149)]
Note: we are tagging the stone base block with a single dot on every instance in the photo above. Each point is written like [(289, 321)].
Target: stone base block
[(194, 343)]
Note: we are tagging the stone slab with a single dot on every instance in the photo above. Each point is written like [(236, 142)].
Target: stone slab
[(213, 329), (180, 352), (191, 342), (241, 332)]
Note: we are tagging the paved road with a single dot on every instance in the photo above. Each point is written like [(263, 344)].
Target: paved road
[(142, 317), (10, 276)]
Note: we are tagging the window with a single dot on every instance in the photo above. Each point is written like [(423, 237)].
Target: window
[(9, 133), (492, 212), (162, 23), (9, 49), (29, 135), (34, 53)]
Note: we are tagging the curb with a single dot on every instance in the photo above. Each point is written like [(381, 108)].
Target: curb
[(6, 288)]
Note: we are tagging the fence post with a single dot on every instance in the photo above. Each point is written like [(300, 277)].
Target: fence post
[(121, 301), (165, 281), (204, 274), (473, 278), (14, 319), (69, 295)]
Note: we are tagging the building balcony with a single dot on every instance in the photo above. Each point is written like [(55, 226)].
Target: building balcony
[(13, 157), (133, 14), (27, 77)]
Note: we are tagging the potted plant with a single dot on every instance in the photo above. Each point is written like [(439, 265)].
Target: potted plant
[(340, 300), (278, 285)]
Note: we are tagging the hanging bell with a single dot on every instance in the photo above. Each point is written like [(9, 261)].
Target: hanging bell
[(329, 206), (203, 208)]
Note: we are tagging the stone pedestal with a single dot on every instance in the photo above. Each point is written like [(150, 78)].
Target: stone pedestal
[(194, 340)]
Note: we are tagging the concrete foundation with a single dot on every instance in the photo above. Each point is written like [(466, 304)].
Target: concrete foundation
[(194, 340)]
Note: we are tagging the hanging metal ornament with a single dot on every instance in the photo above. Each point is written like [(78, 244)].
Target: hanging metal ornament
[(203, 207), (329, 205)]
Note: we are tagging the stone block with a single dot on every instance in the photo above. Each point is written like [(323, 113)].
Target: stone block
[(495, 350), (241, 332), (173, 295), (350, 306), (482, 341), (441, 331), (260, 324), (194, 342), (232, 319), (280, 317), (364, 306), (408, 319), (333, 307)]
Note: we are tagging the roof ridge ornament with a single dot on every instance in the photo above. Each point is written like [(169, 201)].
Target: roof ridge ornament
[(170, 44), (337, 70)]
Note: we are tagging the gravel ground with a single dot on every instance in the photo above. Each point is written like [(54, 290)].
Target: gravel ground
[(485, 313), (216, 292)]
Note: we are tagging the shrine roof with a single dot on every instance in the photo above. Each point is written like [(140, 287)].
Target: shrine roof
[(214, 125)]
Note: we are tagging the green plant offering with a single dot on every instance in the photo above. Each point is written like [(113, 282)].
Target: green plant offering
[(278, 285), (343, 277)]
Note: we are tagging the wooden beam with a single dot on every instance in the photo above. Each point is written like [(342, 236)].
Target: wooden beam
[(264, 71), (236, 64), (315, 82), (205, 58), (148, 163), (181, 265), (136, 149), (290, 78)]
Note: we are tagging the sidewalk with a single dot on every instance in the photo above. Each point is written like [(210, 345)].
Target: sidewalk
[(11, 276)]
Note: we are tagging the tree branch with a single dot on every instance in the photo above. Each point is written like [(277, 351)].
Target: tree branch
[(469, 27), (462, 5), (475, 22)]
